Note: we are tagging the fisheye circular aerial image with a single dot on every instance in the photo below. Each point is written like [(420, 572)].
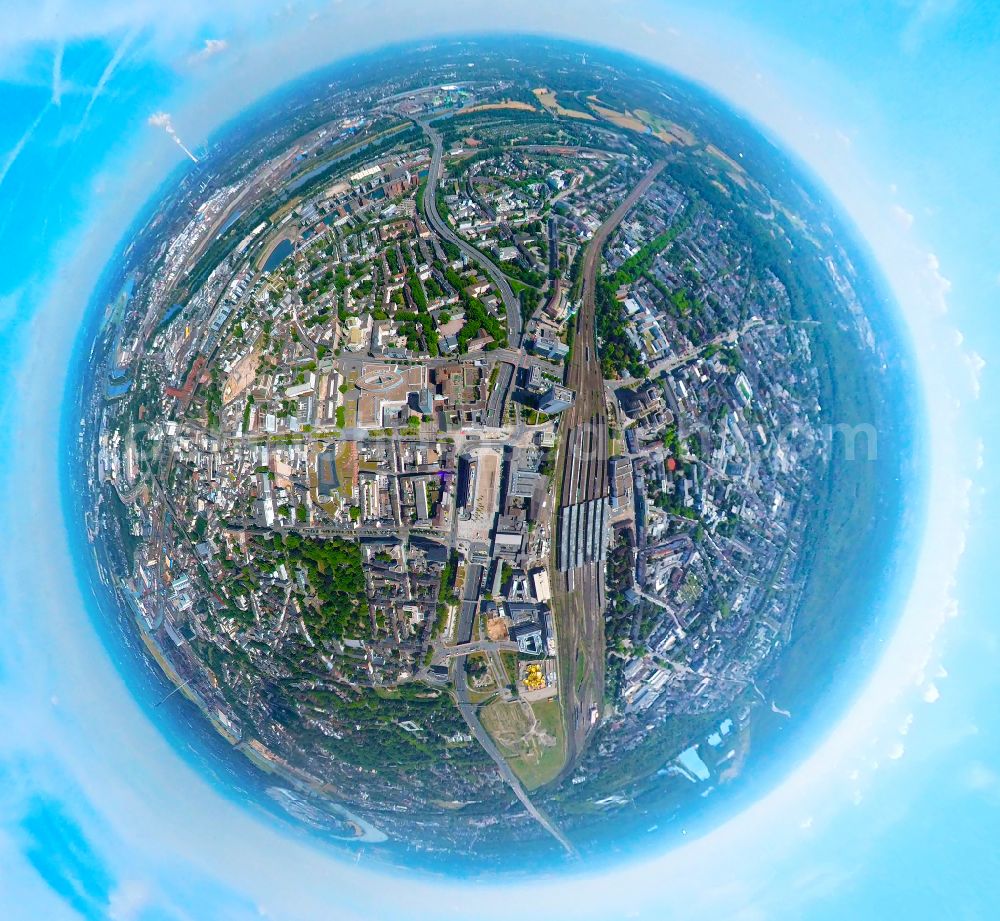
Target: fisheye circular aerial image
[(485, 438), (473, 462)]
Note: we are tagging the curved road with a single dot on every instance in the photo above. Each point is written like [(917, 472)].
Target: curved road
[(512, 307), (510, 302), (468, 711), (467, 708)]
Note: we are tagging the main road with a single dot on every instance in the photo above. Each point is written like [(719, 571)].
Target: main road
[(467, 708), (582, 475), (440, 226)]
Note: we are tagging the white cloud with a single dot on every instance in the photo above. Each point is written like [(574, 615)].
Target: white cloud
[(904, 217), (938, 286), (980, 777), (976, 364), (931, 693), (897, 751), (163, 120), (18, 148), (66, 20), (57, 81), (210, 49), (973, 361), (129, 901), (121, 50)]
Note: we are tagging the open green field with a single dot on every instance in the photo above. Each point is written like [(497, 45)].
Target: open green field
[(530, 737)]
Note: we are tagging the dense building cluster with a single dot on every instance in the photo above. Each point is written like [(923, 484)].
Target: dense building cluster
[(329, 439)]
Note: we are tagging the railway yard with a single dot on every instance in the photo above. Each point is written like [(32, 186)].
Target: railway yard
[(452, 445)]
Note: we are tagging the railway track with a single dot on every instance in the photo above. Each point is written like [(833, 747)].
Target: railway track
[(582, 474)]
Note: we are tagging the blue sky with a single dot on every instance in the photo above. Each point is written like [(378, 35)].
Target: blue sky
[(893, 814)]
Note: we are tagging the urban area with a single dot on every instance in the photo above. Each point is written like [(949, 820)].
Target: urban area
[(454, 445)]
